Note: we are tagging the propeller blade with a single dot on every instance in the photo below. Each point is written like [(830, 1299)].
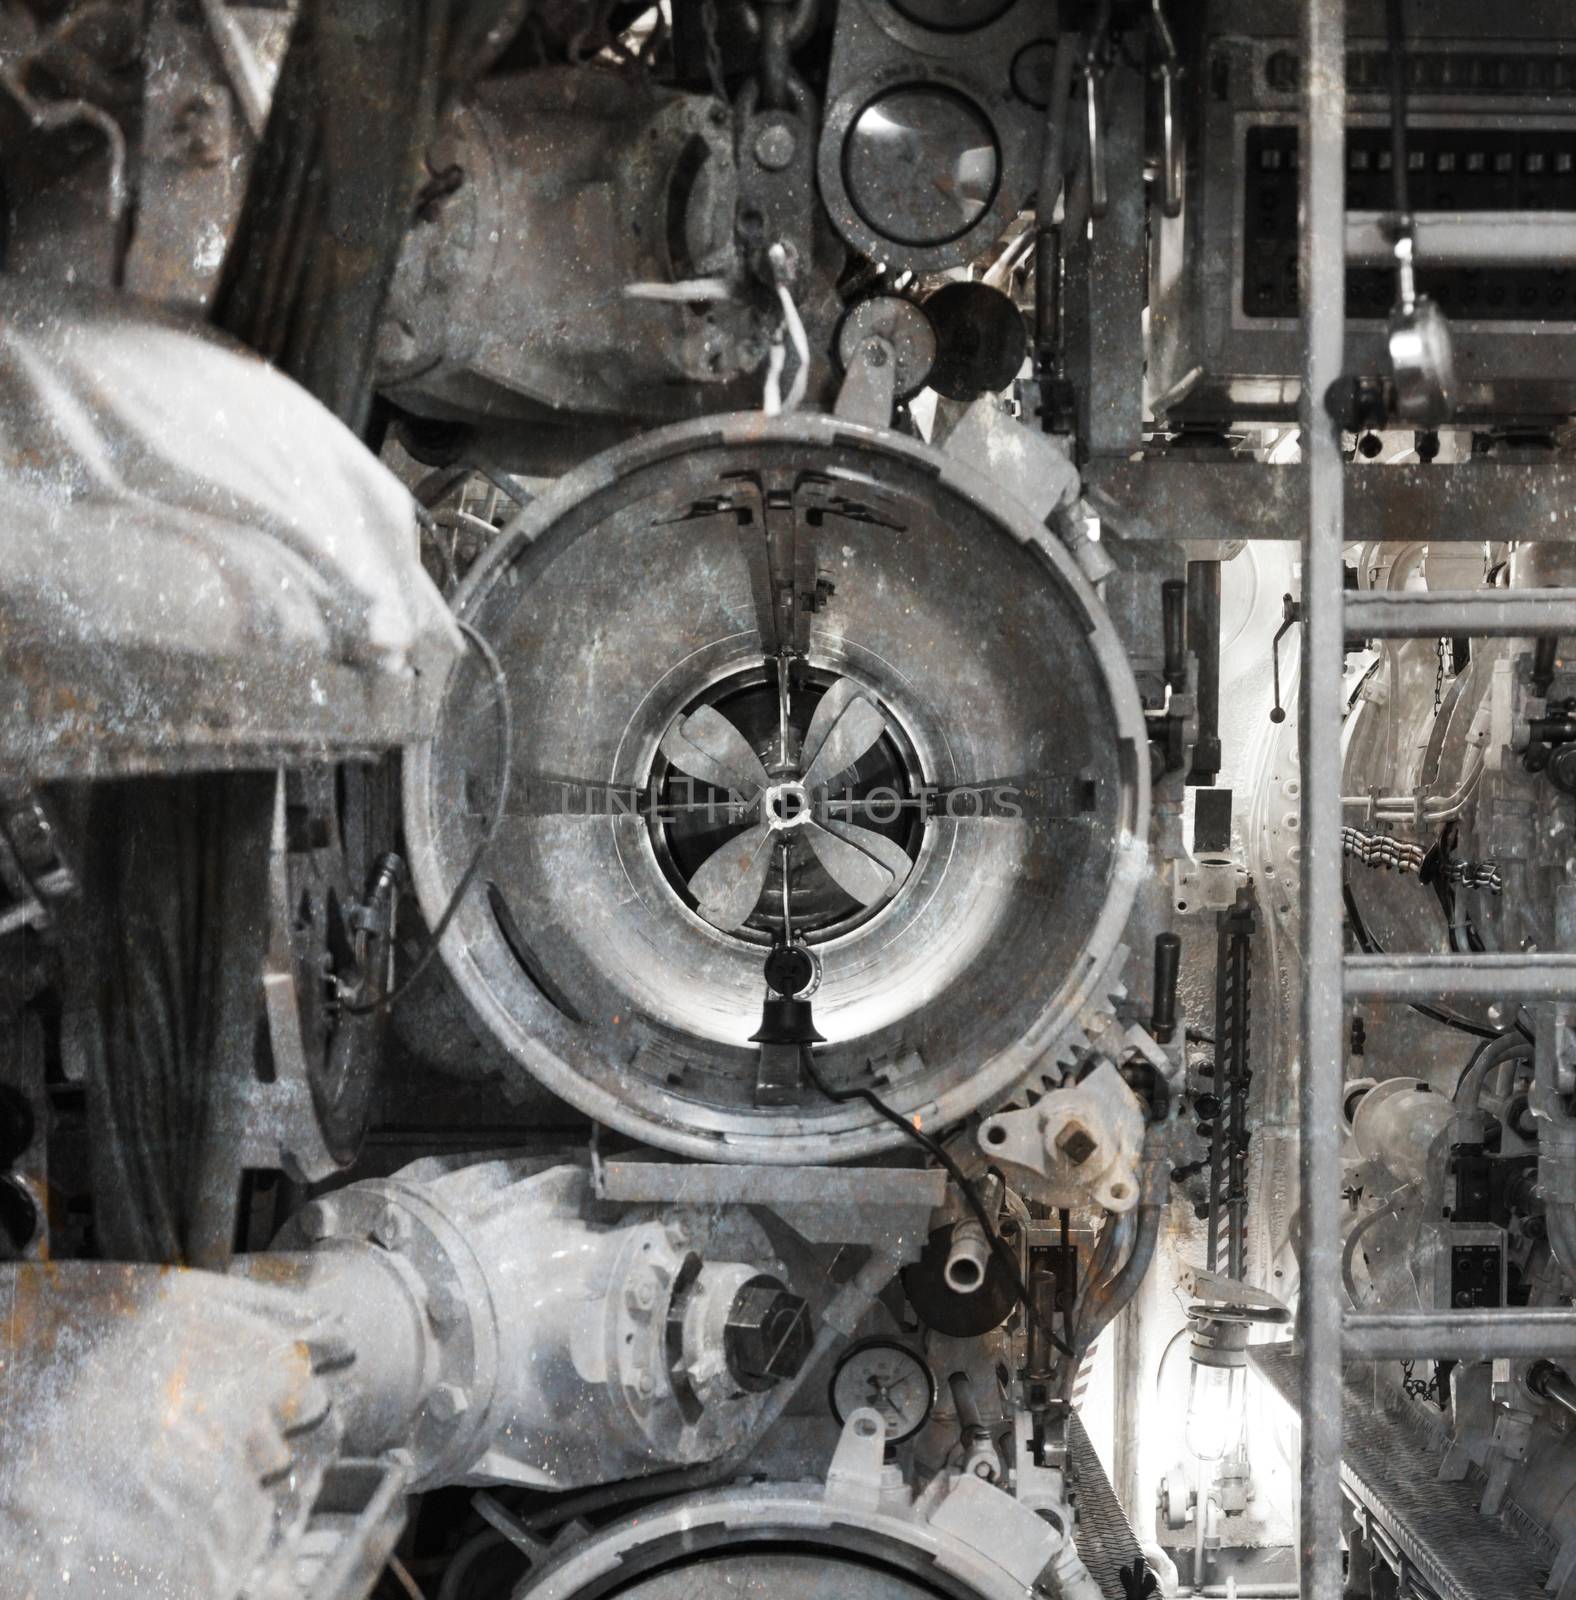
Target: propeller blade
[(887, 851), (728, 883), (828, 709), (856, 872), (856, 728), (707, 746)]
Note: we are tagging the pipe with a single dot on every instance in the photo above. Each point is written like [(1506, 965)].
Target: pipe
[(1401, 1335), (1047, 236), (1201, 1494), (966, 1260), (1556, 1145), (1553, 1383), (1107, 1299), (970, 1251), (1254, 1591), (1485, 1058), (980, 1459)]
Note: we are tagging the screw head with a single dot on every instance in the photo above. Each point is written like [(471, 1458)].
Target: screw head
[(443, 1306), (317, 1220), (448, 1402), (391, 1228), (774, 146)]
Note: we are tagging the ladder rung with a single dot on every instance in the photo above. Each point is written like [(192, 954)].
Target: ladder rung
[(1475, 976), (1462, 1335), (1458, 613)]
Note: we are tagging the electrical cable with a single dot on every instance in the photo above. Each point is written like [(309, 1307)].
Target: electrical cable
[(998, 1248), (1510, 1045), (1371, 946), (505, 763)]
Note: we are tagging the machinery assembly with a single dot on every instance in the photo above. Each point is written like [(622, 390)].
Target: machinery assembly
[(787, 800)]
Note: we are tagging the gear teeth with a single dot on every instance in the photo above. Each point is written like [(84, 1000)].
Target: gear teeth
[(1051, 1071)]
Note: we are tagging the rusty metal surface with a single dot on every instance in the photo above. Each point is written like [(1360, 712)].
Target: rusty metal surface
[(1175, 498), (166, 1432)]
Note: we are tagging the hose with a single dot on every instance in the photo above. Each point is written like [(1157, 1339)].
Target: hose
[(1487, 1056), (1105, 1300), (1349, 1250)]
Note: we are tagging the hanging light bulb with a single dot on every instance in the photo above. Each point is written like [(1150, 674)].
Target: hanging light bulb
[(1217, 1387)]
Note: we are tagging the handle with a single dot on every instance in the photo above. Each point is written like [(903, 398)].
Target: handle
[(1168, 962)]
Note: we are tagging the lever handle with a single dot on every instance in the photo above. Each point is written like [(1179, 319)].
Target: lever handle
[(1291, 612), (1168, 961)]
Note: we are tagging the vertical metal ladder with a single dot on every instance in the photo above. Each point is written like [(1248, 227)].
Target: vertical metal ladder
[(1332, 978)]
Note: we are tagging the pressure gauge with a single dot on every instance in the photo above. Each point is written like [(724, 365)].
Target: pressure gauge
[(890, 1377)]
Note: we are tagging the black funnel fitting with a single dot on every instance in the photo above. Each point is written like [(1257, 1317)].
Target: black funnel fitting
[(786, 1021)]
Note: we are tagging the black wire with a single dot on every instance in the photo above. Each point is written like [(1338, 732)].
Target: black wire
[(1002, 1254), (505, 762), (1371, 946), (1477, 1056)]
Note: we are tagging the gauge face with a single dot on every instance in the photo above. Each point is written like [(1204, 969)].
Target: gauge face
[(889, 1377), (922, 164)]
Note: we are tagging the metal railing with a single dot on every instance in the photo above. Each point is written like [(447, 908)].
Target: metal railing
[(1331, 978)]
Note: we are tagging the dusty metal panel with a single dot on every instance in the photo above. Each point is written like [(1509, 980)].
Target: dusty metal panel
[(1167, 497)]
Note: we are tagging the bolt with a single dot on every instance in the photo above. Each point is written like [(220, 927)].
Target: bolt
[(767, 1337), (448, 1402), (317, 1220), (391, 1229), (876, 353), (1075, 1143), (645, 1384), (774, 146), (640, 1294), (443, 1306)]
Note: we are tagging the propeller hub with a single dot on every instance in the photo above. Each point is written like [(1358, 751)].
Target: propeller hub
[(785, 806)]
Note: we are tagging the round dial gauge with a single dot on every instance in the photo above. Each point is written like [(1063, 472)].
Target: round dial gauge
[(890, 1377)]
